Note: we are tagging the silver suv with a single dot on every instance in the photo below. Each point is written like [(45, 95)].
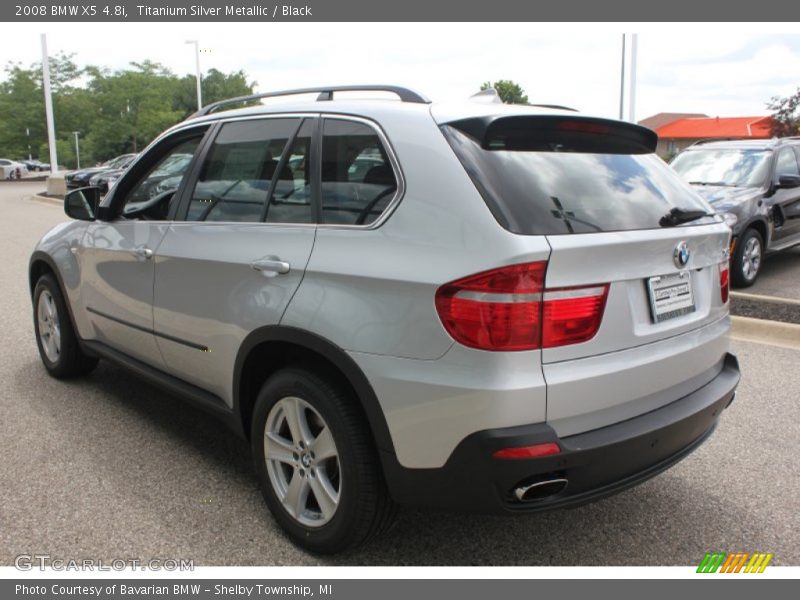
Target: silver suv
[(475, 306)]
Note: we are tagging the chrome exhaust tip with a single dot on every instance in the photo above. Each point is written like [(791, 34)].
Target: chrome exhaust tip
[(540, 489)]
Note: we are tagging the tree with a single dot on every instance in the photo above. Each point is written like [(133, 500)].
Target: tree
[(215, 86), (509, 92), (115, 111), (785, 114)]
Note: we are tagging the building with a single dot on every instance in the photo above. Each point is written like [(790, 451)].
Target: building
[(676, 134)]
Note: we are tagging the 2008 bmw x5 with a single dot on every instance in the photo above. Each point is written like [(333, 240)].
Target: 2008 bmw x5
[(477, 306)]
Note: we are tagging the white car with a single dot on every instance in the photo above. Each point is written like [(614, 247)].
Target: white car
[(11, 169)]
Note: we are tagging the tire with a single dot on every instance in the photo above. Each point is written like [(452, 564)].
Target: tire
[(747, 259), (55, 336), (354, 503)]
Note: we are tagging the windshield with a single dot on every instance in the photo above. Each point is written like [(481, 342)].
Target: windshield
[(565, 192), (734, 167)]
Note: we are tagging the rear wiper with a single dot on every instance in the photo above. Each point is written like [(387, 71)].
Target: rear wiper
[(678, 216)]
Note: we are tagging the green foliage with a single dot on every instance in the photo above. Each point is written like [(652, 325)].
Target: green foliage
[(115, 111), (509, 92), (786, 112)]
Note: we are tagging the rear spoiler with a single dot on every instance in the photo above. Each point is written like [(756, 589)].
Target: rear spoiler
[(557, 133)]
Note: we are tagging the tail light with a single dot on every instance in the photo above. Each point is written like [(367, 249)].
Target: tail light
[(509, 309), (724, 281)]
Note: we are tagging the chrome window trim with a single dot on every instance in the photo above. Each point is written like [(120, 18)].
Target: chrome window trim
[(395, 163)]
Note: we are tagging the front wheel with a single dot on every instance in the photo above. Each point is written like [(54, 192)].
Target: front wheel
[(747, 258), (316, 463), (58, 344)]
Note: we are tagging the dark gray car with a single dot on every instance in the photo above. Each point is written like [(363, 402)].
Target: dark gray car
[(755, 186)]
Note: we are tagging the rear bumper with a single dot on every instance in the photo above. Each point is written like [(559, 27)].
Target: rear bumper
[(596, 463)]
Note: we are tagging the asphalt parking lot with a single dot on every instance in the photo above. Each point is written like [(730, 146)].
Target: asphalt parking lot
[(110, 467)]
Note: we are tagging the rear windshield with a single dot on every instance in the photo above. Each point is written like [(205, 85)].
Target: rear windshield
[(546, 187)]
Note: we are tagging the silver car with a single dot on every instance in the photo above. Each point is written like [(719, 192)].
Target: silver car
[(472, 305)]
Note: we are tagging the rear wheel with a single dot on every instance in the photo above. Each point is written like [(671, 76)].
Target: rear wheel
[(747, 258), (55, 336), (316, 464)]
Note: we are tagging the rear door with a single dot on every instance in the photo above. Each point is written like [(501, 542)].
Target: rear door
[(234, 260)]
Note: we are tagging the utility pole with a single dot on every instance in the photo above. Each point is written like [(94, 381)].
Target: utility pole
[(622, 81), (632, 97), (77, 150), (48, 108)]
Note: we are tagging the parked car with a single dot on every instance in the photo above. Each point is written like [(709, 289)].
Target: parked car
[(81, 178), (35, 165), (755, 185), (11, 169), (514, 309)]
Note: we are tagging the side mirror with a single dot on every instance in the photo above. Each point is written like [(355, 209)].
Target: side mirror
[(82, 204), (789, 181)]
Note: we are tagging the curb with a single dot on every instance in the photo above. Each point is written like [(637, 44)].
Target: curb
[(47, 199), (761, 298), (762, 331)]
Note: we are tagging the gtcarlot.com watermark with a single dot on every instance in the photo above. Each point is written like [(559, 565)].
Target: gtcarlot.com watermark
[(42, 562)]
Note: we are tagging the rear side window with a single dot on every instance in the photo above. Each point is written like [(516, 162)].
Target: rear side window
[(358, 182), (559, 176), (235, 179)]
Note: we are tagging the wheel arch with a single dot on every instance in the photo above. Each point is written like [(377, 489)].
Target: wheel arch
[(761, 226), (279, 346)]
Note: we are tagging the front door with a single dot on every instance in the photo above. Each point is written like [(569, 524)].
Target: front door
[(117, 256), (786, 201)]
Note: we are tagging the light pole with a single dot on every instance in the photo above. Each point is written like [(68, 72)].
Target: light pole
[(197, 71), (622, 81), (77, 150), (48, 108), (28, 135), (632, 96)]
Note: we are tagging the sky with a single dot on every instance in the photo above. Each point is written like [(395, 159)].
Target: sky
[(717, 69)]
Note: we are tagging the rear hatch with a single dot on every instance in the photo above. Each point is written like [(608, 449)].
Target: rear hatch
[(630, 242)]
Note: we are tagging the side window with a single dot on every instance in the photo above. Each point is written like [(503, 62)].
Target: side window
[(154, 192), (358, 181), (787, 163), (236, 175), (291, 198)]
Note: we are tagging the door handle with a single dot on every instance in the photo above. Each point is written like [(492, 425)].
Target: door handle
[(143, 252), (271, 265)]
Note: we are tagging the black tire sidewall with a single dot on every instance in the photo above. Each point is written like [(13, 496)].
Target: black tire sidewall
[(333, 536), (46, 283), (739, 279)]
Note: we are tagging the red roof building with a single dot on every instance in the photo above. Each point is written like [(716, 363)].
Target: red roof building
[(681, 133)]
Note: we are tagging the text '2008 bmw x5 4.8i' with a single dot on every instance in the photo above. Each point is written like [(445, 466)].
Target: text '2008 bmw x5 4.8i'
[(475, 306)]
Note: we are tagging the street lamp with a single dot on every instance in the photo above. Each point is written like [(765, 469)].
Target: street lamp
[(197, 71), (77, 150)]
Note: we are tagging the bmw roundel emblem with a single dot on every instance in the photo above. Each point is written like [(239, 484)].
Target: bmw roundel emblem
[(681, 255)]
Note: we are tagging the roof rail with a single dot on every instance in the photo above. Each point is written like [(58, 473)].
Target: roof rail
[(780, 140), (325, 93)]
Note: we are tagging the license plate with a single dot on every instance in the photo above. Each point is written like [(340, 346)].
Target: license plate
[(670, 296)]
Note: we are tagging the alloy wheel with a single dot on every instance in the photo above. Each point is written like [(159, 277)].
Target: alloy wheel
[(49, 326), (302, 462)]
